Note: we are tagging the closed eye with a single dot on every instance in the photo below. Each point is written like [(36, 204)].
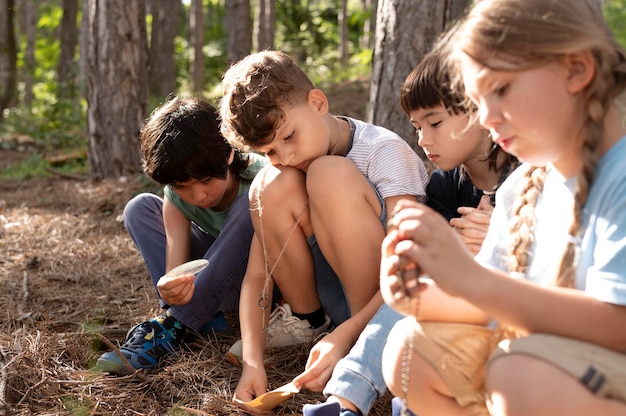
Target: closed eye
[(501, 90), (289, 136)]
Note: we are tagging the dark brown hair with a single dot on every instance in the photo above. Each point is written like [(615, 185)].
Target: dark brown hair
[(181, 141)]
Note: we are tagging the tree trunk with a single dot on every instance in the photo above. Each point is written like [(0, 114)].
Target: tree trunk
[(264, 25), (403, 37), (196, 35), (27, 11), (238, 29), (344, 41), (8, 56), (68, 36), (369, 26), (165, 22), (83, 49), (117, 86)]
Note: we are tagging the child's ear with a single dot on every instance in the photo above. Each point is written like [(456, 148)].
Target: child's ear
[(231, 158), (317, 99), (581, 70)]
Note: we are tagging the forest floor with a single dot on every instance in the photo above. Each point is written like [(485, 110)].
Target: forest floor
[(72, 284)]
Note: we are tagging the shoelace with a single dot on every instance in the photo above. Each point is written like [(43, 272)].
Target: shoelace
[(139, 336)]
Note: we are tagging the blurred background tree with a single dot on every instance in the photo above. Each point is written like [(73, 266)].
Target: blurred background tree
[(50, 70)]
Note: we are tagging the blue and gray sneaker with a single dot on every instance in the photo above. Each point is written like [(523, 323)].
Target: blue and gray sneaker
[(146, 345)]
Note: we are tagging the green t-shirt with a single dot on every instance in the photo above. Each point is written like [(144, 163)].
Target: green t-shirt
[(210, 220)]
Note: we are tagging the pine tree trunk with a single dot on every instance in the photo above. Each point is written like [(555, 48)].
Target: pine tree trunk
[(342, 22), (403, 37), (238, 26), (196, 35), (117, 86), (8, 56), (165, 21), (66, 73)]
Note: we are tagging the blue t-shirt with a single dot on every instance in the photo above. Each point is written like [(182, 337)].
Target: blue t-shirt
[(601, 268)]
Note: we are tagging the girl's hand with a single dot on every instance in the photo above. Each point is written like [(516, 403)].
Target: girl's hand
[(253, 383), (322, 360), (473, 224), (423, 237), (399, 285), (176, 290)]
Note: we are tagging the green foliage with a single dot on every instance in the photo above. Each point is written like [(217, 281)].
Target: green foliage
[(306, 29), (615, 14), (77, 406)]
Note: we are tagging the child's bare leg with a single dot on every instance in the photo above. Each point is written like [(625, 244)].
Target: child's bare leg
[(281, 220), (523, 385), (427, 393), (345, 214)]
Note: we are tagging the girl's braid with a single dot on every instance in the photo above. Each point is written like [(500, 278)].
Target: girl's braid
[(598, 102), (523, 222)]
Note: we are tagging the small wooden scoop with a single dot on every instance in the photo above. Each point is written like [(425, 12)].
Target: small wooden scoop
[(271, 399)]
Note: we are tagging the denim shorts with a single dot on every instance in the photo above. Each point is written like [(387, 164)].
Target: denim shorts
[(329, 287)]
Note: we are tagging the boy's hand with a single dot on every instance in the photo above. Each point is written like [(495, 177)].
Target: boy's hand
[(176, 290), (322, 360), (473, 224), (253, 383)]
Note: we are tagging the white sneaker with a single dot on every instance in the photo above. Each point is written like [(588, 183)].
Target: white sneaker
[(283, 330)]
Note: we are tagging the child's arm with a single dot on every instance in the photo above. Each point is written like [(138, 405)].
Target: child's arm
[(422, 237), (176, 291), (333, 347), (253, 381)]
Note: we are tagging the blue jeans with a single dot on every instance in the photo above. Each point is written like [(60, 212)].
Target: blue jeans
[(358, 377), (217, 287)]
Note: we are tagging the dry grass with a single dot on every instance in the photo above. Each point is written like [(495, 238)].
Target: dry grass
[(71, 285)]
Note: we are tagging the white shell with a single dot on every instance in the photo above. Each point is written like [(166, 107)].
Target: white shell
[(191, 267)]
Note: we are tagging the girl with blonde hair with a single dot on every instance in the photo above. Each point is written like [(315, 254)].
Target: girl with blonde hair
[(547, 77)]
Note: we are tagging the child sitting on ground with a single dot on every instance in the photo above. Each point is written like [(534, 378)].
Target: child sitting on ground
[(548, 79), (203, 214), (318, 213)]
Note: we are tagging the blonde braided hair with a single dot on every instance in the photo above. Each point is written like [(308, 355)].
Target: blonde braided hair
[(513, 35)]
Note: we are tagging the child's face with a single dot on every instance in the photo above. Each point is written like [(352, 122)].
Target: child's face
[(530, 113), (302, 137), (203, 193), (446, 138)]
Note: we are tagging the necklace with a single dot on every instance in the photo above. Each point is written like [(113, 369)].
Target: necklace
[(333, 152), (264, 301), (412, 304), (412, 298)]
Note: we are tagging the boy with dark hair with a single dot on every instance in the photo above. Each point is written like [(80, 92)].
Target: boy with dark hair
[(318, 213), (203, 214)]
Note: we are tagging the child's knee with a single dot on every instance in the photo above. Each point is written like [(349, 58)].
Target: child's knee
[(515, 381), (272, 184)]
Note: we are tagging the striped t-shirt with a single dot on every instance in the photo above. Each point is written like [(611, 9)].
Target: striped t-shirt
[(387, 161)]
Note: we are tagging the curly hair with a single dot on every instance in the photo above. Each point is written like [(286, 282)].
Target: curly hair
[(256, 90)]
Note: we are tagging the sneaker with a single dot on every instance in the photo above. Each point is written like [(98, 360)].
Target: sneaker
[(283, 330), (146, 345), (327, 409), (322, 409)]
